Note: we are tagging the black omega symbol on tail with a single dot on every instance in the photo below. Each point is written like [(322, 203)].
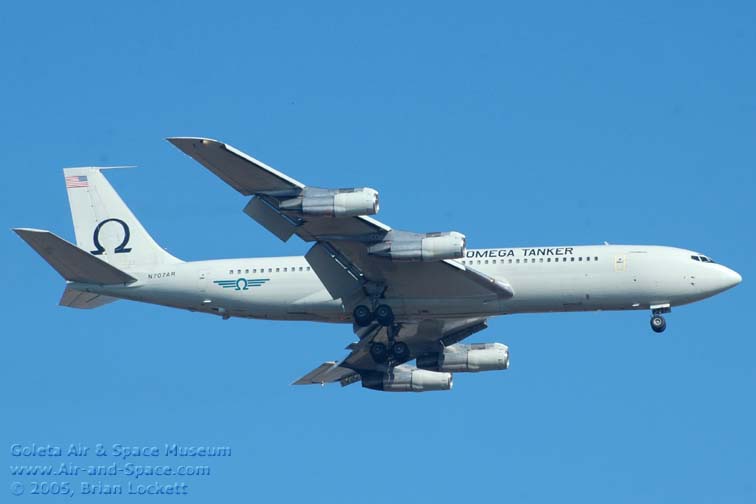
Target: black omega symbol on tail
[(120, 249)]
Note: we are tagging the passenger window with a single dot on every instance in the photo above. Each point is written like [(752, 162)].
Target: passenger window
[(588, 258), (494, 261), (270, 270), (230, 272), (572, 259), (564, 259), (517, 261), (486, 261), (510, 261), (540, 259), (532, 260), (595, 258), (278, 270), (285, 270), (246, 271), (308, 268), (301, 268)]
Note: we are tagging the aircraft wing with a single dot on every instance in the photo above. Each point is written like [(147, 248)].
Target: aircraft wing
[(426, 336), (340, 254)]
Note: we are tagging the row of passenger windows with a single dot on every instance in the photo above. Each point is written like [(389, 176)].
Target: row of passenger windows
[(532, 260), (269, 270)]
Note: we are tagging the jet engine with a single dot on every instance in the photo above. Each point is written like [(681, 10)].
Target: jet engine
[(407, 379), (467, 358), (317, 202), (405, 246)]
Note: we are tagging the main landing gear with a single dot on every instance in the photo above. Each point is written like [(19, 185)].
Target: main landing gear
[(658, 324), (395, 351), (383, 314)]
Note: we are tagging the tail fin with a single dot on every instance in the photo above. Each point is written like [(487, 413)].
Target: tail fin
[(104, 225)]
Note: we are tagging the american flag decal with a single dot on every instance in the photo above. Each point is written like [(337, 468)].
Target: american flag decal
[(76, 181)]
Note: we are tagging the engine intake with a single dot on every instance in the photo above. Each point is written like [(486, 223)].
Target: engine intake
[(405, 246), (467, 358), (407, 379), (318, 202)]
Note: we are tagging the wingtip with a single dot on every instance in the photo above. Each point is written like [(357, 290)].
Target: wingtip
[(177, 140), (21, 230)]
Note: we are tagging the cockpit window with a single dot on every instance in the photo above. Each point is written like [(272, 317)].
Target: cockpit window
[(702, 259)]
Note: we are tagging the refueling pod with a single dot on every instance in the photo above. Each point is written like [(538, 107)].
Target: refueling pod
[(467, 358), (407, 379)]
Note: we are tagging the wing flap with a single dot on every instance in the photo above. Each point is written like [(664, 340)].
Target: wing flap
[(270, 218)]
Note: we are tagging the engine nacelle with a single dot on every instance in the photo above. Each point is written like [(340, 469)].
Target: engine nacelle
[(467, 358), (407, 379), (317, 202), (403, 246)]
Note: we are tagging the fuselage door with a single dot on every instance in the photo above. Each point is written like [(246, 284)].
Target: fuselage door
[(620, 263), (202, 281)]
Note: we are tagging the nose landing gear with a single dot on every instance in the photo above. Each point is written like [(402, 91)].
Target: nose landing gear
[(658, 324)]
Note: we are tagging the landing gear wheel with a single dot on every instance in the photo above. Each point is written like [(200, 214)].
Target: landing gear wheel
[(658, 324), (362, 316), (378, 352), (400, 351), (384, 315)]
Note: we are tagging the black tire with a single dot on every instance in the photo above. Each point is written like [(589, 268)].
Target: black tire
[(379, 352), (362, 316), (400, 350), (384, 315), (658, 324)]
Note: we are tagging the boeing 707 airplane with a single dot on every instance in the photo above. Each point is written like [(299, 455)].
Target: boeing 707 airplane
[(409, 296)]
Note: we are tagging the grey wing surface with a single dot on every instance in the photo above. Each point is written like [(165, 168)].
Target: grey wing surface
[(340, 254), (422, 337)]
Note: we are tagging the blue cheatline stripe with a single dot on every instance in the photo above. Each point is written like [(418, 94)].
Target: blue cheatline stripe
[(250, 281)]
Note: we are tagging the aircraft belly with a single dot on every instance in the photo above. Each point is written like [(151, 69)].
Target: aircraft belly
[(413, 308)]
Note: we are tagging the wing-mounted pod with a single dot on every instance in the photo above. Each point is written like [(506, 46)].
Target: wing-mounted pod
[(467, 358), (320, 202), (407, 379), (427, 247)]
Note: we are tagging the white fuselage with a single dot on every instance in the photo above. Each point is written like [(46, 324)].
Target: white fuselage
[(544, 279)]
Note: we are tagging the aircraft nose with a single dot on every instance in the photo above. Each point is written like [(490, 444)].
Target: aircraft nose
[(730, 278)]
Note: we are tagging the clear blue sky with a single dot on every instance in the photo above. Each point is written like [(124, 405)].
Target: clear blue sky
[(518, 124)]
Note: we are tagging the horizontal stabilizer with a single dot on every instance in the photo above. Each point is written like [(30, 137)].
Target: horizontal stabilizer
[(87, 300), (326, 373), (73, 263)]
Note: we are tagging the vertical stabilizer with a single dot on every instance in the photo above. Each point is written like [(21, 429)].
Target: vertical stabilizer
[(104, 225)]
